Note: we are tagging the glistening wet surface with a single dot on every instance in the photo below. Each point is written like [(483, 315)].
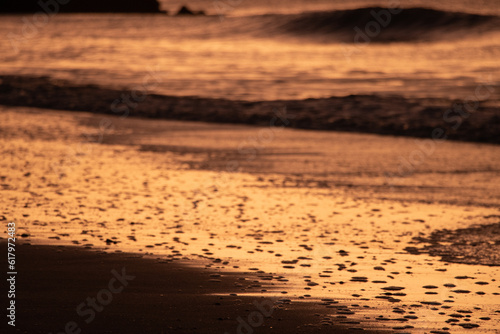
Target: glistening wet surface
[(322, 223)]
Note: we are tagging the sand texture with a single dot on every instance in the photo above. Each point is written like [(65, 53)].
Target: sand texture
[(330, 227)]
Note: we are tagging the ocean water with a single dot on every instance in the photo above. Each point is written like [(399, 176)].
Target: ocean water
[(267, 51), (260, 7)]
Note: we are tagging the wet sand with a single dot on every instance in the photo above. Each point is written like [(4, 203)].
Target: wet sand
[(472, 245), (325, 225), (159, 297)]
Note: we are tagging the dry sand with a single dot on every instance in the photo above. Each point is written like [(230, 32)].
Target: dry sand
[(323, 219)]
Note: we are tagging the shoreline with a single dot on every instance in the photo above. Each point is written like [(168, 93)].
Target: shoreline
[(431, 118), (155, 186), (155, 297)]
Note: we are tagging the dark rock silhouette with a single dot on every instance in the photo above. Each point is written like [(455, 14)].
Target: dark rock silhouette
[(186, 11), (80, 6)]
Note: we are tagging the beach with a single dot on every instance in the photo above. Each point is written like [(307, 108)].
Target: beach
[(86, 180), (159, 297), (283, 166)]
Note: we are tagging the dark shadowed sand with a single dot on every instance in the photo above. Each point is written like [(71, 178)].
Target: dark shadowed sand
[(472, 245), (159, 297)]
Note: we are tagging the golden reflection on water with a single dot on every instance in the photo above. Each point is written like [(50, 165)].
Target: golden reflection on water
[(223, 60)]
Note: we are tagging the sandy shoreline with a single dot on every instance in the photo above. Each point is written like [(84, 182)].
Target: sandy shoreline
[(317, 221), (151, 296), (250, 167)]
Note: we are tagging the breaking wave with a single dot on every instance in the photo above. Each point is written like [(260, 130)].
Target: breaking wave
[(386, 25)]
